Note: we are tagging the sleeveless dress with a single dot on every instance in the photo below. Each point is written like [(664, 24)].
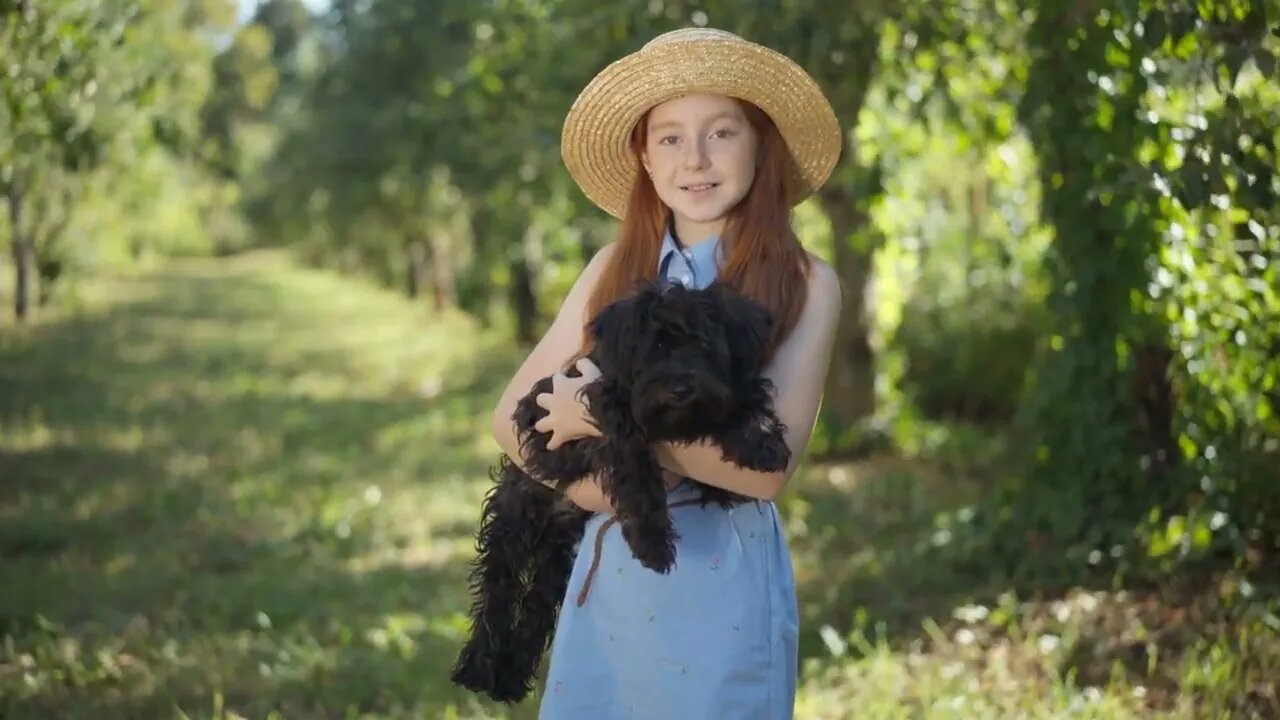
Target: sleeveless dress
[(715, 639)]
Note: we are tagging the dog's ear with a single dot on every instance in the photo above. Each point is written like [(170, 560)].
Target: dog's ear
[(749, 326), (617, 329)]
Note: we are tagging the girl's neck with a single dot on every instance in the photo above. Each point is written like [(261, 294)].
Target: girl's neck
[(688, 233)]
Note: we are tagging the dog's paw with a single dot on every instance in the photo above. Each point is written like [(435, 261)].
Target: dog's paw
[(660, 559), (656, 554), (771, 455), (510, 690), (473, 672), (763, 449), (483, 676)]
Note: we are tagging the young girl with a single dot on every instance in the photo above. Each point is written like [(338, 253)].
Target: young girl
[(700, 143)]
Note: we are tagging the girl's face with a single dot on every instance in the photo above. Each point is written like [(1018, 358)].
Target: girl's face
[(701, 152)]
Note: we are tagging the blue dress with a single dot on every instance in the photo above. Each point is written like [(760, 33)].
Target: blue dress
[(715, 639)]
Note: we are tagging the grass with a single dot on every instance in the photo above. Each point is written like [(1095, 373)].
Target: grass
[(239, 486), (240, 489)]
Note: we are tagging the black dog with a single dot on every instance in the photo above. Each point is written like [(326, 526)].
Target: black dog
[(677, 365)]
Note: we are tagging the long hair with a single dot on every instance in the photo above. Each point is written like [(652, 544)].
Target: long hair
[(764, 259)]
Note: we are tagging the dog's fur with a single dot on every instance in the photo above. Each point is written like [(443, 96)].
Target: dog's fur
[(677, 364)]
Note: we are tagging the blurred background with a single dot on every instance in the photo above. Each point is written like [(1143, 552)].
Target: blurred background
[(267, 265)]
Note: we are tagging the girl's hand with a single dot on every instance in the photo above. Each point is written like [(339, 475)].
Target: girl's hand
[(568, 417)]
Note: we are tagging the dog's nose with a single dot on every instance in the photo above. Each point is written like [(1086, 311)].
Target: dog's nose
[(681, 391)]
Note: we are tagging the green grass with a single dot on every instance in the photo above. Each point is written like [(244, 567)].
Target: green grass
[(240, 489), (239, 485)]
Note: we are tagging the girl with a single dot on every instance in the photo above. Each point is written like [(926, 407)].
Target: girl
[(700, 142)]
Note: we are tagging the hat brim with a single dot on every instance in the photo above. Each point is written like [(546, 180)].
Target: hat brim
[(597, 129)]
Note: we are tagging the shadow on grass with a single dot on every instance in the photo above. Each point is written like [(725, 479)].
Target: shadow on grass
[(868, 538), (896, 551), (888, 544), (217, 492)]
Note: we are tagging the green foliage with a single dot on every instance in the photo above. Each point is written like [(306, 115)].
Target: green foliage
[(60, 83), (1218, 288), (967, 354), (159, 206), (93, 88), (965, 248), (1119, 402)]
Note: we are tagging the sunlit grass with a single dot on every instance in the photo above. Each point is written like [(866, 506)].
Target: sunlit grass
[(239, 485), (241, 489)]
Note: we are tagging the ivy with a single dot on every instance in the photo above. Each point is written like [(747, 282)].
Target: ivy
[(1154, 403)]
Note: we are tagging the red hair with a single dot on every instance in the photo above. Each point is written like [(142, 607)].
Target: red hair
[(764, 259)]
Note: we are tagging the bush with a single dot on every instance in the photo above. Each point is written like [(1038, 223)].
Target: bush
[(966, 350)]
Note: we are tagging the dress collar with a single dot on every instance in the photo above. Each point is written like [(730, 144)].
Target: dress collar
[(705, 253)]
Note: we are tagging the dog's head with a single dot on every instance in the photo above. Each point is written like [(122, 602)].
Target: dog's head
[(682, 353)]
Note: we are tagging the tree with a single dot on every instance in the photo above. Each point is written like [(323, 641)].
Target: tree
[(73, 72), (1137, 113)]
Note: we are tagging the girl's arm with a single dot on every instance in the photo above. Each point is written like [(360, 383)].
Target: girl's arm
[(798, 371), (587, 494), (562, 341)]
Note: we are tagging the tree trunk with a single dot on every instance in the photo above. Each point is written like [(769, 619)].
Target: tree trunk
[(850, 389), (850, 393), (523, 301), (24, 260), (49, 268), (442, 263), (474, 293), (595, 235), (978, 190), (1155, 408), (415, 268), (586, 247), (24, 253), (49, 252)]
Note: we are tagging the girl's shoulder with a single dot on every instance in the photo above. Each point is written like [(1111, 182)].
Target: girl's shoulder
[(822, 277)]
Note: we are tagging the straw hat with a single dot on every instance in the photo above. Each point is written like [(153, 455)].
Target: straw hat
[(594, 140)]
